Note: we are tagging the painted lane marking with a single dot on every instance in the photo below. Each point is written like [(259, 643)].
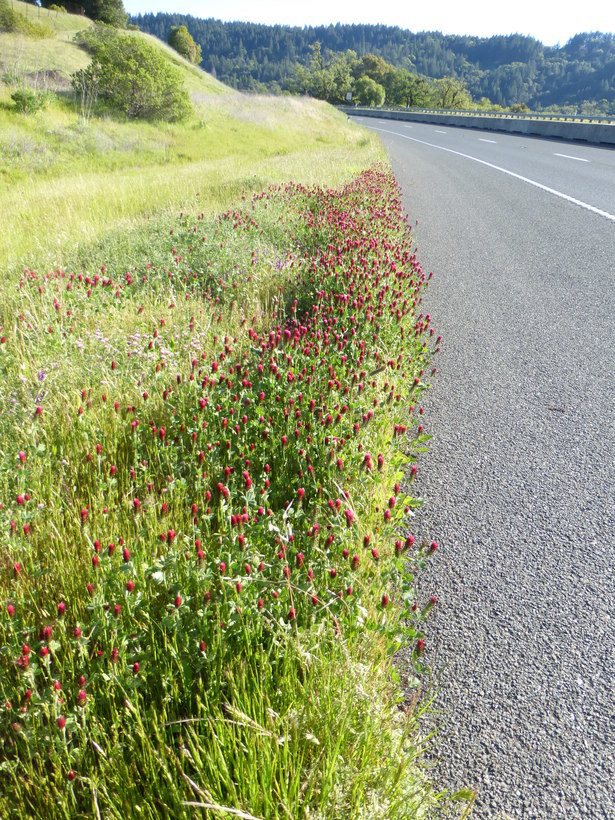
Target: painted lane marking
[(567, 156), (533, 182), (407, 126), (440, 132), (480, 139)]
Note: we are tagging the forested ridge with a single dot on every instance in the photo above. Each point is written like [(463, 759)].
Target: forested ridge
[(508, 70)]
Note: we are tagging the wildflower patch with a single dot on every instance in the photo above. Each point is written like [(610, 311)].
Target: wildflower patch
[(233, 474)]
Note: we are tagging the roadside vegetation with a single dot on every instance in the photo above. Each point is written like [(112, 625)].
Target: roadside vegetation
[(212, 355)]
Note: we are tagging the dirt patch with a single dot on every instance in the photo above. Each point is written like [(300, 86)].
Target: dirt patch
[(48, 80)]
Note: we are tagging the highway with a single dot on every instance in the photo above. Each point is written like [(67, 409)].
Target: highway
[(519, 484)]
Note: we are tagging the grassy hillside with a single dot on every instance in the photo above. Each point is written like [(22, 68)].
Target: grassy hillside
[(56, 56), (64, 185)]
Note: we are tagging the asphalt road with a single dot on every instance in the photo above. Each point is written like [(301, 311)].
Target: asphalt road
[(519, 485)]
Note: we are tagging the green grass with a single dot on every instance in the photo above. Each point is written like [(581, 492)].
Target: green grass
[(63, 183), (62, 186), (52, 58), (302, 724), (64, 26), (306, 725)]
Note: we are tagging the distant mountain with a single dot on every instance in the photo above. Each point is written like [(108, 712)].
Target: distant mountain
[(509, 70)]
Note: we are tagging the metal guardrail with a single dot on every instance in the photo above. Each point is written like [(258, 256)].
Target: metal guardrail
[(502, 115), (595, 130)]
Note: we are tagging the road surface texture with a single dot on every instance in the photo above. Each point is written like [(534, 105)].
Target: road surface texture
[(519, 485)]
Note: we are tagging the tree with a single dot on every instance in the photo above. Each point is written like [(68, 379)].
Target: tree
[(243, 54), (110, 12), (408, 89), (133, 76), (341, 69), (321, 79), (450, 93), (328, 77), (301, 81), (182, 41), (368, 91), (375, 67)]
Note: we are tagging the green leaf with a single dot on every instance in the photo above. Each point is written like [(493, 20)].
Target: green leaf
[(424, 437), (464, 795)]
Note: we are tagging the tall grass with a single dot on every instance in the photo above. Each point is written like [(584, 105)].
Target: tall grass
[(61, 185), (147, 669), (231, 704)]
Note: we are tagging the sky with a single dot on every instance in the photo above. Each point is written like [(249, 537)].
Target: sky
[(548, 21)]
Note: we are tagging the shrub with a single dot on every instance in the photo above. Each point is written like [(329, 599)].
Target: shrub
[(133, 76), (8, 18), (93, 40), (181, 40), (369, 92), (28, 101)]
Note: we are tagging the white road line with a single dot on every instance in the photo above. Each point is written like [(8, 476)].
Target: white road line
[(407, 126), (440, 132), (567, 156), (480, 139), (533, 182)]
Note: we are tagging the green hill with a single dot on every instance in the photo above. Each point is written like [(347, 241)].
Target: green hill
[(57, 56), (54, 57), (65, 184), (508, 70)]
